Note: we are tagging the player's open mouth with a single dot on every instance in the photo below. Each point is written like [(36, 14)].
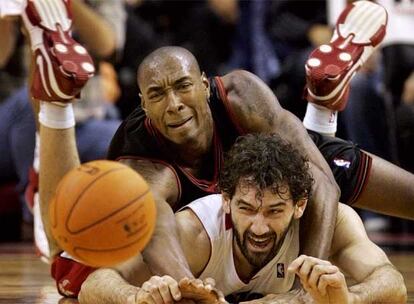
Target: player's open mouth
[(258, 244), (180, 123)]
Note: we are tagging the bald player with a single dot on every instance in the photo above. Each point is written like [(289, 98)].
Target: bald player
[(247, 240)]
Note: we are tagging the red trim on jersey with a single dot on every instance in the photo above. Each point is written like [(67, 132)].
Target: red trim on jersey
[(228, 224), (69, 275), (162, 163), (364, 172), (205, 185), (227, 105)]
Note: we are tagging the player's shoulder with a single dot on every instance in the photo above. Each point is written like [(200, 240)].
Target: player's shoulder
[(194, 240), (252, 102), (349, 229), (198, 213), (188, 221), (160, 175), (245, 89), (347, 214), (201, 217), (240, 81)]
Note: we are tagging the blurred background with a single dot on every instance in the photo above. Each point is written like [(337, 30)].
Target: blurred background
[(269, 38)]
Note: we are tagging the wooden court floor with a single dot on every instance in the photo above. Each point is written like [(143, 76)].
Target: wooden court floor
[(25, 279)]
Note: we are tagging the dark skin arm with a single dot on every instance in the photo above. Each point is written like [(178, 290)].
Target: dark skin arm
[(162, 256), (258, 110), (164, 252)]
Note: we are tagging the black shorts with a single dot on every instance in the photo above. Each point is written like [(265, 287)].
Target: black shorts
[(350, 166)]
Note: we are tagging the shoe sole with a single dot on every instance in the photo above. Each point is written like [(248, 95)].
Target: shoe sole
[(359, 31), (62, 65)]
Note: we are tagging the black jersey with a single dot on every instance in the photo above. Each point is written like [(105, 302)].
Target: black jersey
[(137, 138)]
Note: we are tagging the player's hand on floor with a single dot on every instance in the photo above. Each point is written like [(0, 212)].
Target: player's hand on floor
[(158, 290), (202, 292), (323, 281)]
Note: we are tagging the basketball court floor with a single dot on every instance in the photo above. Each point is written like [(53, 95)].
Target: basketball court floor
[(25, 279)]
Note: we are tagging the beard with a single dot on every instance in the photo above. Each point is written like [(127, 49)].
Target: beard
[(259, 259)]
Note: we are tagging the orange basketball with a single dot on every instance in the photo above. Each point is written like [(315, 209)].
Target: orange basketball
[(102, 213)]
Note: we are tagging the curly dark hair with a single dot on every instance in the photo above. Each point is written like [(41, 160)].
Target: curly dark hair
[(266, 161)]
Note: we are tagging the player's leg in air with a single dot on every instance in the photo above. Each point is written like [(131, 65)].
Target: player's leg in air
[(60, 68), (366, 180)]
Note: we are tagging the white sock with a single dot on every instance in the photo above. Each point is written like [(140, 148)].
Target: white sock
[(320, 119), (56, 115), (36, 159)]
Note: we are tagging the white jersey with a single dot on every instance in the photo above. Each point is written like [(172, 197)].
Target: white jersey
[(273, 278)]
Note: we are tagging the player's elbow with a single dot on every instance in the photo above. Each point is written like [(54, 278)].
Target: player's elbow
[(400, 295), (403, 294), (89, 288), (401, 290), (85, 292), (398, 290)]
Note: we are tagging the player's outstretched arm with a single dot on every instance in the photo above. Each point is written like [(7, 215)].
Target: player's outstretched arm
[(352, 252), (163, 254), (107, 286), (54, 142), (153, 290), (355, 254), (257, 110)]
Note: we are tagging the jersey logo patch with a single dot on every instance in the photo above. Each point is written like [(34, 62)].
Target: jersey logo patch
[(280, 270), (332, 117), (63, 285), (342, 162)]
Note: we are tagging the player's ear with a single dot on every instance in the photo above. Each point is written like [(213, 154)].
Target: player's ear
[(300, 207), (226, 202), (142, 102), (206, 83)]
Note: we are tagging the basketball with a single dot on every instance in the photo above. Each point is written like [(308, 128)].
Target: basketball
[(102, 213)]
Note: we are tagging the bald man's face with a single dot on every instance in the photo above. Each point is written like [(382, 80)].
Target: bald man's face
[(174, 95)]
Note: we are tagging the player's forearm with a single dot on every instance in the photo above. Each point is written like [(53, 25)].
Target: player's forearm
[(164, 255), (384, 285), (106, 286), (54, 143), (318, 221)]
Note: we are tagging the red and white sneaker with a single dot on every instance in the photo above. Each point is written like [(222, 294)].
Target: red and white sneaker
[(359, 30), (63, 66)]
